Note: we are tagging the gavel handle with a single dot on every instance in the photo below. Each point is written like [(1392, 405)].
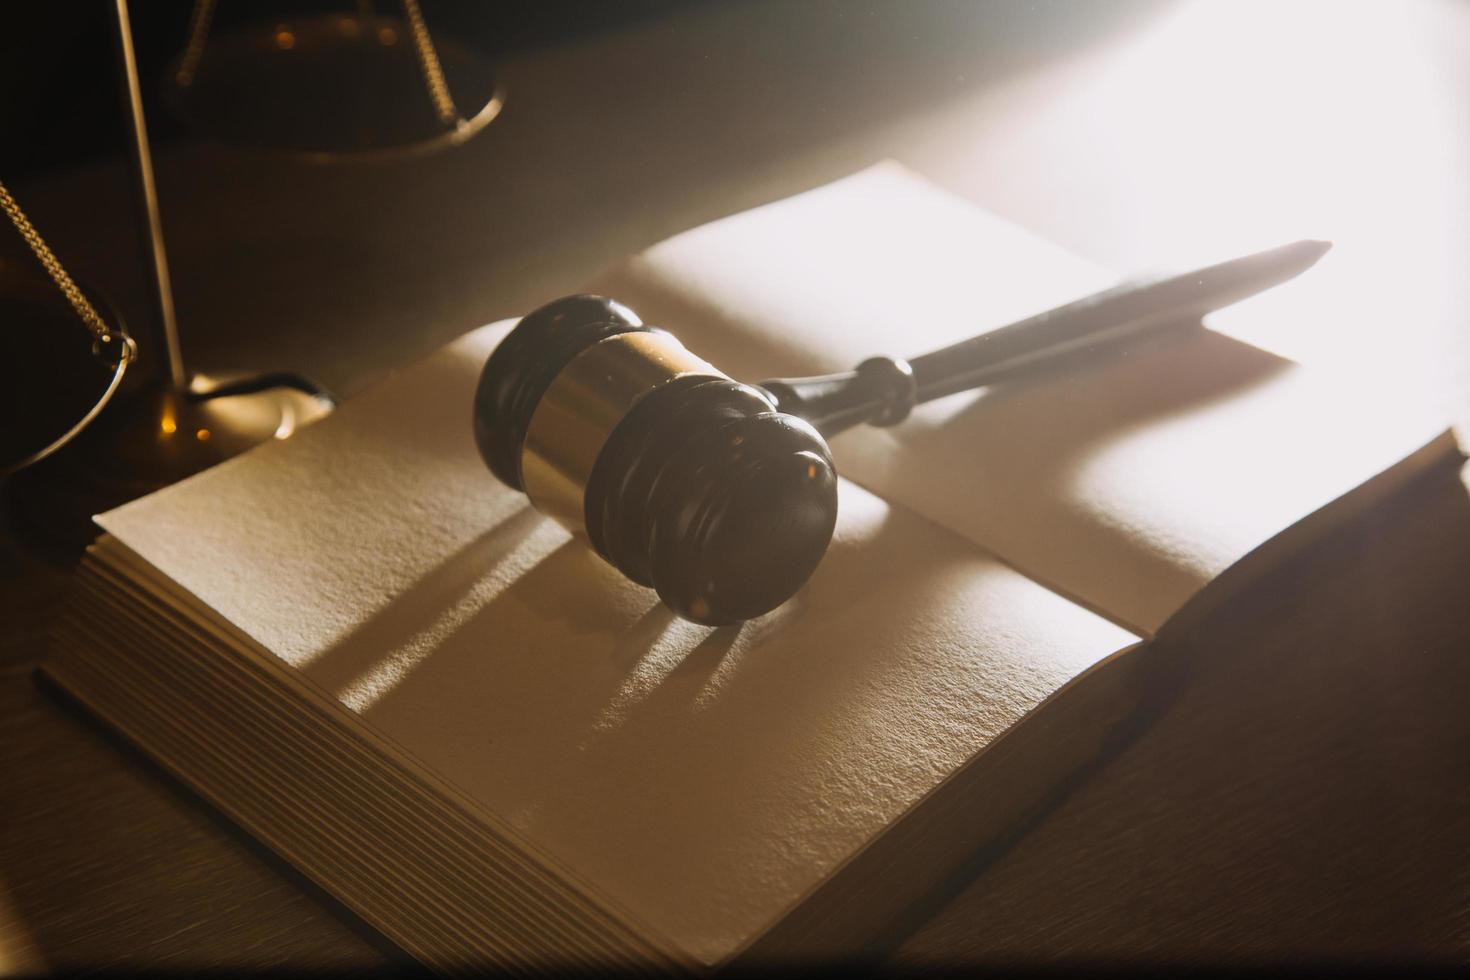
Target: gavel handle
[(882, 390)]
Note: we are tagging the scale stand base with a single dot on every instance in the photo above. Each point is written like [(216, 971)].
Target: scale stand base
[(144, 441)]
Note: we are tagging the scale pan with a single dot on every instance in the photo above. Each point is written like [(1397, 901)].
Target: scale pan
[(329, 87), (52, 384)]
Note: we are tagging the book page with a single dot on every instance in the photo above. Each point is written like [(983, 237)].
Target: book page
[(1126, 480), (704, 780)]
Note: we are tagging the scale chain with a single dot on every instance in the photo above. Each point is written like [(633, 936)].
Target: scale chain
[(101, 333)]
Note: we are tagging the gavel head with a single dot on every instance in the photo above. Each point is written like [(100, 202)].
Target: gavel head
[(684, 480)]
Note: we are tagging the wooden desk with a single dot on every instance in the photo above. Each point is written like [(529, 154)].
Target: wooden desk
[(1301, 790)]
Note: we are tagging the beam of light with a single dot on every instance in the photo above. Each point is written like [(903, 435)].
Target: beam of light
[(1223, 127), (1269, 122)]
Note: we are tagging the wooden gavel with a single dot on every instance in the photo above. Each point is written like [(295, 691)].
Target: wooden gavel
[(722, 496)]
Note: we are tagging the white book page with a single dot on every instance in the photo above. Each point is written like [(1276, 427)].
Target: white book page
[(703, 780), (1127, 482)]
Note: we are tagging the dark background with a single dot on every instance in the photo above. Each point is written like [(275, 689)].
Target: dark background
[(58, 61)]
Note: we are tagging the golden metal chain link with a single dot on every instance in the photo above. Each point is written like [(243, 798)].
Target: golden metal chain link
[(83, 307), (429, 62)]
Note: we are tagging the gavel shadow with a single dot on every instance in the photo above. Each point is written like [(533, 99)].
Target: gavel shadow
[(1086, 397), (416, 608), (579, 645), (1042, 470), (623, 738), (567, 585)]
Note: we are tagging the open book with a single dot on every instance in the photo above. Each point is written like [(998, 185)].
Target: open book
[(459, 721)]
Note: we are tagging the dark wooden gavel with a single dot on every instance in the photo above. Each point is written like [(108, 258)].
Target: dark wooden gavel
[(722, 496)]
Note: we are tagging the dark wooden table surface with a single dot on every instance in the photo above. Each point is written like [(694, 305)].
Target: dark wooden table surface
[(1302, 791)]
